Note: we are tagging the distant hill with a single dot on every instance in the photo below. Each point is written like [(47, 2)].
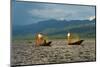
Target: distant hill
[(54, 27)]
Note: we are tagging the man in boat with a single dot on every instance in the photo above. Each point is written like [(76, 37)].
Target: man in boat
[(41, 41), (73, 41)]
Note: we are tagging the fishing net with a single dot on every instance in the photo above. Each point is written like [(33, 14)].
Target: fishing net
[(73, 37)]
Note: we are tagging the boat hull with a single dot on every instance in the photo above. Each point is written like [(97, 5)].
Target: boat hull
[(76, 43)]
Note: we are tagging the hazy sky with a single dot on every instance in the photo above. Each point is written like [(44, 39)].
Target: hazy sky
[(32, 12)]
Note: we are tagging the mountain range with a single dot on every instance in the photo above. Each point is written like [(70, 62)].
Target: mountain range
[(54, 27)]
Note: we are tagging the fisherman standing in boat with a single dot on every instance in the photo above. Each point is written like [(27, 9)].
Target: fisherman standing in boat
[(41, 40), (69, 38)]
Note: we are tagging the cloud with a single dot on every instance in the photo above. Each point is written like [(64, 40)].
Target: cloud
[(50, 13), (33, 12), (92, 18), (58, 11)]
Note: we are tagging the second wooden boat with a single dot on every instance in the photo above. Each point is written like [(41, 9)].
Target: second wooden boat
[(70, 38)]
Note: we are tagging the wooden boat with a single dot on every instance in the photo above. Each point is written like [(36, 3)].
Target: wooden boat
[(70, 42), (76, 43), (46, 43)]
